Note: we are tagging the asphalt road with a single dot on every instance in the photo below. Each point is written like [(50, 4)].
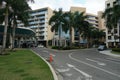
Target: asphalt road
[(87, 64)]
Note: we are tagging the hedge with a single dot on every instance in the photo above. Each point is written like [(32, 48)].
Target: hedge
[(116, 49)]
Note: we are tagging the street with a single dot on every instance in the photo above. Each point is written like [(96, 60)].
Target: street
[(82, 64)]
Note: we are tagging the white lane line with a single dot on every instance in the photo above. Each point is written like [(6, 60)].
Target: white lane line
[(50, 53), (68, 74), (108, 60), (114, 74), (63, 70), (87, 76), (45, 51), (53, 55), (99, 63)]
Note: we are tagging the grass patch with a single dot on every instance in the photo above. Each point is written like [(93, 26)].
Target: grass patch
[(114, 52), (23, 65)]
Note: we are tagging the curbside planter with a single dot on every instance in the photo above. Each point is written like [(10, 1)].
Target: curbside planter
[(51, 68)]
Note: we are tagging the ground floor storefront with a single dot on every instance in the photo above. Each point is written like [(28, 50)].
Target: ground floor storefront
[(24, 37)]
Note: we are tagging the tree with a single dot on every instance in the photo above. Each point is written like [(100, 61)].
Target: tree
[(7, 6), (20, 12), (6, 13), (70, 24), (56, 21), (81, 24), (94, 35), (112, 17)]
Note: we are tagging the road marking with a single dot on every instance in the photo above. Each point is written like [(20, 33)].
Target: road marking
[(69, 65), (99, 63), (108, 60), (45, 51), (79, 78), (114, 74), (87, 76), (48, 52), (63, 70), (68, 74), (53, 55)]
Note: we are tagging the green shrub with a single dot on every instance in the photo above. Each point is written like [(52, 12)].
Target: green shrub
[(54, 47), (57, 47), (66, 48), (116, 49)]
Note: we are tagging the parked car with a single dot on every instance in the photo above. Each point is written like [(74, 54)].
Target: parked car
[(102, 47)]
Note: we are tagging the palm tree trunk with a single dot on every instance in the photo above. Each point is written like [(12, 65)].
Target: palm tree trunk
[(13, 36), (88, 42), (60, 27), (5, 31), (71, 36), (79, 38)]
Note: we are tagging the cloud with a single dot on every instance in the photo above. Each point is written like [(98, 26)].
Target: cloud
[(92, 6)]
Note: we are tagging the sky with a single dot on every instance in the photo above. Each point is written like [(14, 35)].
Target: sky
[(92, 6)]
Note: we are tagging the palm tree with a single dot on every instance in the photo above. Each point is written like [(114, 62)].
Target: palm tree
[(20, 13), (70, 24), (7, 7), (87, 34), (94, 35), (112, 16), (81, 24), (56, 22), (6, 13)]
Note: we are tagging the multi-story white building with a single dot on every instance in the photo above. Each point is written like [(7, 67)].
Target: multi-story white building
[(92, 19), (112, 35), (95, 21), (38, 21)]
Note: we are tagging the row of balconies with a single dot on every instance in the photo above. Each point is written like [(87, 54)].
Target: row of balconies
[(38, 22), (32, 19), (38, 13), (33, 26), (40, 37), (44, 29)]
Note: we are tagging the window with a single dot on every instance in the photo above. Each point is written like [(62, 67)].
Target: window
[(115, 31), (108, 5), (109, 37), (109, 31), (114, 3)]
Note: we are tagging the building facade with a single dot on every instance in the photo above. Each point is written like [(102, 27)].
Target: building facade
[(112, 34), (39, 23), (95, 20), (75, 39), (22, 35), (101, 21), (92, 19)]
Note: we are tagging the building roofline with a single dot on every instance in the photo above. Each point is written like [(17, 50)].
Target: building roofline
[(91, 14), (41, 8), (26, 28)]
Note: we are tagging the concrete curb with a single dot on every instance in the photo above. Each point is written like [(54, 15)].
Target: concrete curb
[(51, 68), (108, 52)]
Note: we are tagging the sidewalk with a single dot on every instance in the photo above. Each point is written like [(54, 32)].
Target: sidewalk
[(108, 52)]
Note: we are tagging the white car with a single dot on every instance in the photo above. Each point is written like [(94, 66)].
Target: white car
[(101, 47)]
